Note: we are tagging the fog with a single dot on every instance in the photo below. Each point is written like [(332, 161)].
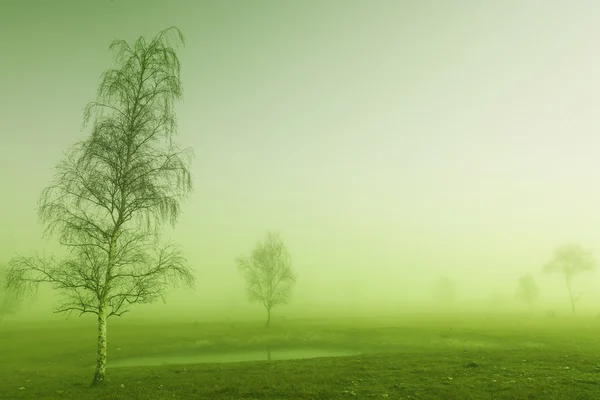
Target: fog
[(391, 143)]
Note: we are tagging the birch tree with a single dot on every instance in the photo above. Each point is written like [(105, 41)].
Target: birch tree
[(113, 192), (268, 273), (570, 260)]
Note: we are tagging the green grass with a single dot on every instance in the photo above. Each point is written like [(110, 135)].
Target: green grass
[(408, 357)]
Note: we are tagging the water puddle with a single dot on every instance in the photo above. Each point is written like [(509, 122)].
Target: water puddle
[(229, 357)]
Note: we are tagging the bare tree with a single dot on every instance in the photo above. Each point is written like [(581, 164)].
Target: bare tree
[(268, 273), (114, 190), (527, 290), (571, 260)]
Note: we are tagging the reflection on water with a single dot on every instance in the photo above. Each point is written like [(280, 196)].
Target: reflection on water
[(226, 357)]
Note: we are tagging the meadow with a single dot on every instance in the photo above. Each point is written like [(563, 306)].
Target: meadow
[(402, 357)]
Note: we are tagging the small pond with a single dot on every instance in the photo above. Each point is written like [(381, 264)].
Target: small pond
[(228, 357)]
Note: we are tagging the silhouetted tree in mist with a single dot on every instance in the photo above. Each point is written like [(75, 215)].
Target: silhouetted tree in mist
[(570, 260), (114, 191), (268, 273), (527, 290)]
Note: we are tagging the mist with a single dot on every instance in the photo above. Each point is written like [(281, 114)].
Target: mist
[(390, 143)]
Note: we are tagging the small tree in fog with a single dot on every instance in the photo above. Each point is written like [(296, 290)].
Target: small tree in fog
[(527, 290), (268, 273), (570, 260), (113, 191)]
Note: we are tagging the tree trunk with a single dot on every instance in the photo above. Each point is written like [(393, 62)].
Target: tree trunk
[(268, 317), (101, 354), (571, 296), (572, 304)]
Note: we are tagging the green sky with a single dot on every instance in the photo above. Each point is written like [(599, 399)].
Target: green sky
[(390, 142)]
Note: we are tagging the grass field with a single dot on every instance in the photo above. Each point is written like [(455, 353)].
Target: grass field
[(406, 357)]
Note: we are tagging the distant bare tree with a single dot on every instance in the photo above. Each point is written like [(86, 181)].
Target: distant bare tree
[(527, 290), (268, 273), (9, 302), (571, 260), (113, 192)]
